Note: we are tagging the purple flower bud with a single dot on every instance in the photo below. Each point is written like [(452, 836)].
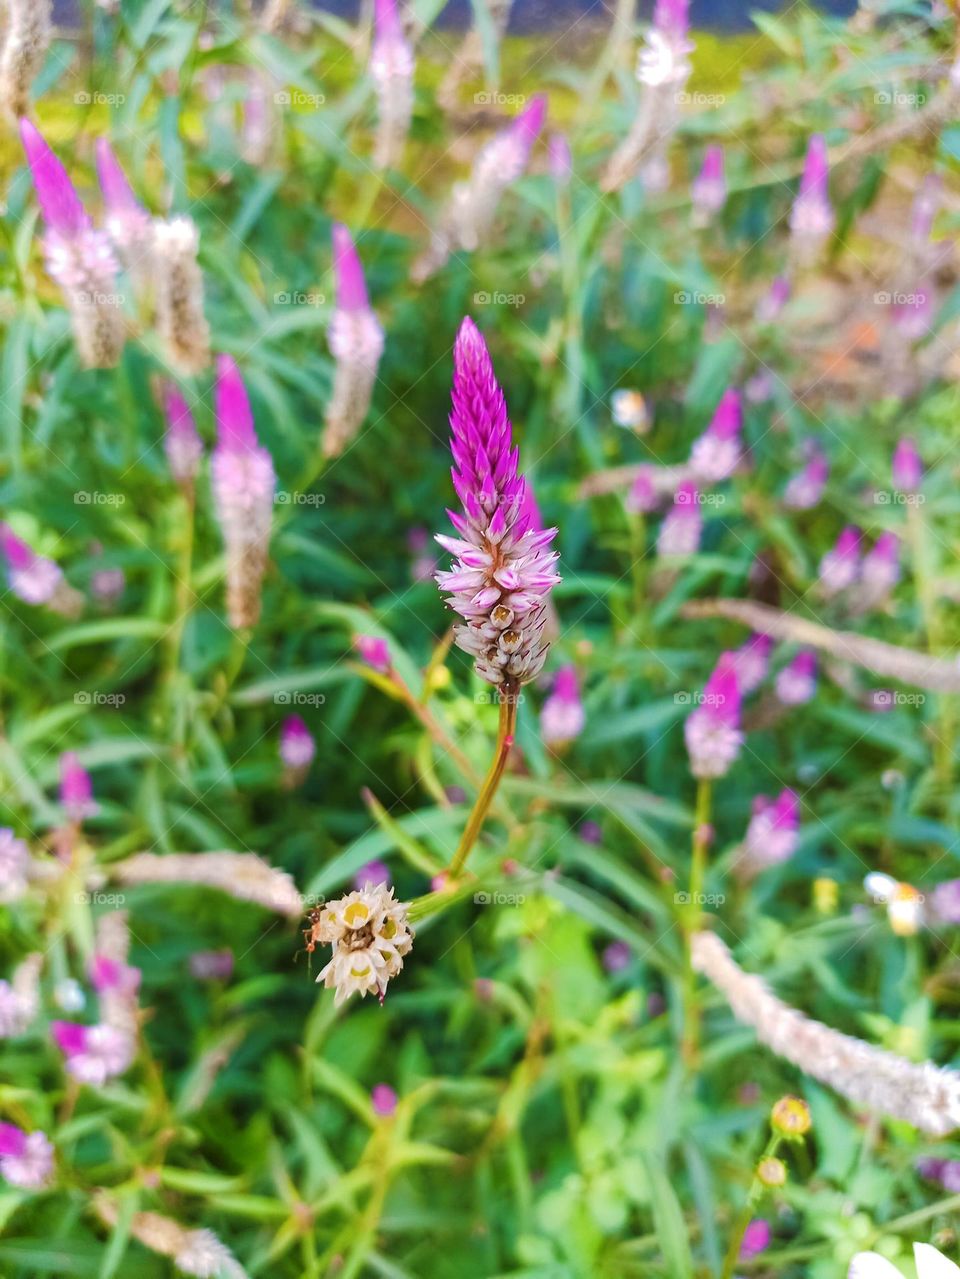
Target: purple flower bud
[(32, 577), (751, 661), (944, 1171), (525, 128), (907, 466), (671, 17), (590, 832), (374, 652), (643, 496), (805, 489), (559, 159), (243, 484), (880, 570), (772, 834), (712, 730), (756, 1239), (945, 901), (384, 1100), (709, 189), (93, 1054), (563, 717), (812, 218), (356, 342), (776, 298), (683, 523), (76, 788), (504, 572), (62, 208), (617, 957), (182, 444), (351, 286), (297, 747), (716, 453), (111, 975), (373, 873), (797, 682), (127, 221), (840, 567)]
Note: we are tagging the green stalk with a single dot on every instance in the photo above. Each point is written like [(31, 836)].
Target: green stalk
[(508, 693), (698, 870), (754, 1194)]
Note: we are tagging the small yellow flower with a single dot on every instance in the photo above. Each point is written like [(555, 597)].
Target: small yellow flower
[(772, 1172), (790, 1117), (826, 894)]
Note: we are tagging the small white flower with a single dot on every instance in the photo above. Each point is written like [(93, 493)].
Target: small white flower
[(903, 902), (663, 60), (369, 934)]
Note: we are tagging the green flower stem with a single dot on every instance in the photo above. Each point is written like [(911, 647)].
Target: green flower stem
[(937, 642), (691, 921), (754, 1195), (508, 723)]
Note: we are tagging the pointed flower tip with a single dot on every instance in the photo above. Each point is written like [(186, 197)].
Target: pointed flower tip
[(62, 208), (385, 18), (117, 191), (728, 417), (530, 120), (235, 429), (351, 286)]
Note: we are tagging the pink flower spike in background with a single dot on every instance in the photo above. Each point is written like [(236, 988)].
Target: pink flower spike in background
[(774, 300), (356, 343), (384, 1100), (812, 218), (805, 489), (797, 682), (26, 1159), (504, 571), (33, 578), (373, 652), (182, 444), (93, 1054), (243, 483), (716, 453), (879, 572), (712, 730), (76, 789), (840, 567), (756, 1239), (372, 873), (643, 496), (297, 746), (391, 69), (559, 159), (563, 717), (683, 523), (772, 834), (751, 661), (907, 467), (127, 222), (79, 258), (709, 188)]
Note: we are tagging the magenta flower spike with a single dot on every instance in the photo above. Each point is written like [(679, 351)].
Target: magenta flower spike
[(563, 716), (33, 578), (840, 567), (925, 206), (504, 571), (805, 489), (683, 523), (182, 444), (751, 662), (76, 788), (756, 1239), (672, 18), (775, 299), (297, 746), (716, 453), (243, 483), (617, 956), (560, 159), (880, 571), (391, 69), (26, 1159), (643, 496), (525, 128), (373, 652), (812, 218), (907, 466), (797, 682), (356, 342), (373, 873), (709, 188), (78, 257), (93, 1054), (127, 222), (772, 835), (712, 730)]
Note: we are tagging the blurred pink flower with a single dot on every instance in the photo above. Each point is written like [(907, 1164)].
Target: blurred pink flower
[(563, 717), (683, 523), (34, 578), (712, 731), (774, 300), (26, 1159), (375, 872), (93, 1054), (559, 158), (772, 834), (805, 489), (709, 188), (356, 342), (756, 1239), (716, 453), (751, 662), (373, 652), (840, 566), (183, 445), (127, 222), (880, 571), (297, 747), (384, 1100), (391, 69), (76, 788), (812, 218), (907, 468), (797, 682)]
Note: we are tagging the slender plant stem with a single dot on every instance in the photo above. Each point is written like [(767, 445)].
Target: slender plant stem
[(508, 722), (183, 599), (698, 870), (936, 643), (743, 1221)]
